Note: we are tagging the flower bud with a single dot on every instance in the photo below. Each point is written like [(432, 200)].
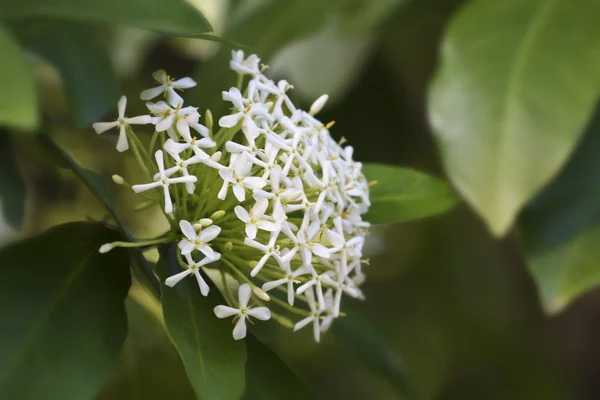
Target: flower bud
[(216, 156), (205, 222), (118, 179), (318, 104), (217, 215), (261, 293), (228, 246), (208, 119), (105, 248), (197, 227)]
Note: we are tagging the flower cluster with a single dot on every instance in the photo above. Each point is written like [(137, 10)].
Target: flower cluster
[(270, 199)]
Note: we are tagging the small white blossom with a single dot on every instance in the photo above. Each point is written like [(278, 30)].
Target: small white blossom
[(238, 177), (122, 122), (161, 179), (249, 66), (255, 220), (197, 241), (315, 315), (243, 312), (193, 269), (167, 87)]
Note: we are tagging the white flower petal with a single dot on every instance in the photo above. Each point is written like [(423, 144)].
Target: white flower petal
[(239, 332), (273, 284), (121, 106), (244, 293), (204, 289), (122, 144), (183, 83), (187, 229), (254, 182), (262, 313), (149, 94), (303, 323), (101, 127), (209, 233), (229, 121), (225, 311), (242, 214), (174, 279)]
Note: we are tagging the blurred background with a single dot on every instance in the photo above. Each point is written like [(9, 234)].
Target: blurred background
[(457, 306)]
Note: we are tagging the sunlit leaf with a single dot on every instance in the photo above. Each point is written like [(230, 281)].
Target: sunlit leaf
[(403, 194), (76, 51), (214, 361), (518, 82), (173, 17), (560, 230), (18, 103), (63, 317)]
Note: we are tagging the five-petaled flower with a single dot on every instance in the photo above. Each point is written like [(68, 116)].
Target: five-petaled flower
[(243, 312)]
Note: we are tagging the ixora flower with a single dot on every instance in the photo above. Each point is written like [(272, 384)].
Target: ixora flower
[(292, 223)]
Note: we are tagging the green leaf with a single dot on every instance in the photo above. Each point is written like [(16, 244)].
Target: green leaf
[(357, 333), (12, 186), (100, 187), (174, 17), (518, 82), (214, 361), (560, 230), (76, 51), (269, 378), (265, 29), (403, 194), (63, 316), (18, 103), (149, 367), (364, 15)]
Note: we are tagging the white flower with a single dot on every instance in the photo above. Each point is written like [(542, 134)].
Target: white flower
[(249, 66), (245, 113), (168, 86), (194, 269), (168, 118), (254, 219), (277, 194), (238, 177), (261, 313), (289, 279), (163, 180), (182, 165), (270, 250), (314, 317), (122, 123), (197, 241)]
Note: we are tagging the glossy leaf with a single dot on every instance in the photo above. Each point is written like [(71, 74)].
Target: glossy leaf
[(100, 187), (403, 194), (174, 17), (265, 29), (76, 51), (518, 82), (269, 378), (560, 230), (214, 361), (12, 186), (18, 103), (359, 336), (149, 366), (63, 317)]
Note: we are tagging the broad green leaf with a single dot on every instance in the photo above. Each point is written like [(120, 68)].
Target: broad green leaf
[(560, 230), (149, 367), (18, 103), (364, 15), (403, 194), (76, 51), (214, 361), (63, 316), (269, 378), (12, 186), (265, 29), (357, 333), (100, 187), (174, 17), (518, 82)]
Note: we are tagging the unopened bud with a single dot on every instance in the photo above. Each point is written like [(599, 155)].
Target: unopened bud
[(118, 179), (217, 215), (330, 124), (373, 183), (283, 320), (144, 205), (228, 246), (197, 227), (205, 222), (318, 104), (208, 119), (216, 156), (252, 264), (105, 248), (261, 293)]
